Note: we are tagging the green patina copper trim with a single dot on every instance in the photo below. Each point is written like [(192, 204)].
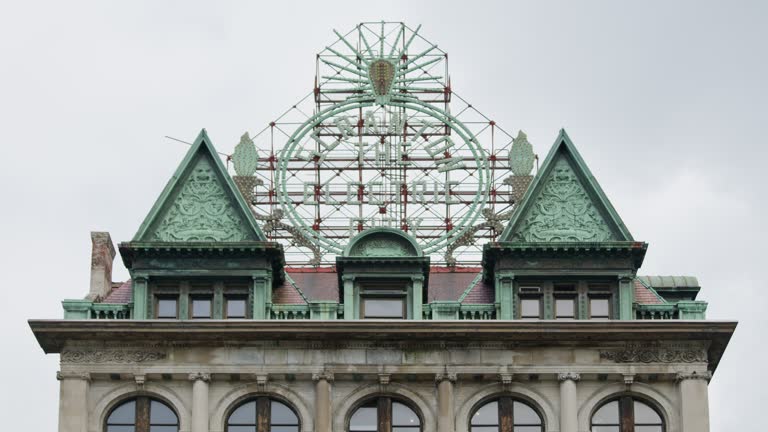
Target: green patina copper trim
[(382, 242), (564, 149), (201, 149), (650, 288), (471, 286), (293, 283)]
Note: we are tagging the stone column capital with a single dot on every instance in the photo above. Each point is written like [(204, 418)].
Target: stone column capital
[(324, 375), (443, 376), (60, 375), (204, 377), (681, 376), (568, 376)]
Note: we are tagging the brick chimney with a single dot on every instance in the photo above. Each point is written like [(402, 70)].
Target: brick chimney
[(102, 256)]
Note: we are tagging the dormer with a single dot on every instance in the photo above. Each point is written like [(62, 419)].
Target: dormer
[(566, 253), (383, 274), (199, 253)]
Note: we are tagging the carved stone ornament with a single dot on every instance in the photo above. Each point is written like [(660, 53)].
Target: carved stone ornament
[(506, 378), (568, 376), (324, 375), (202, 211), (563, 211), (111, 356), (204, 377), (656, 354), (384, 379), (445, 376)]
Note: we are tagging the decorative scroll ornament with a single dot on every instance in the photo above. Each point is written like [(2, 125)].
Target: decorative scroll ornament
[(563, 211), (202, 211), (111, 356), (521, 156), (656, 354), (492, 221), (245, 158), (273, 222)]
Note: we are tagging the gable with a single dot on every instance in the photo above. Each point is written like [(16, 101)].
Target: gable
[(565, 204), (200, 203)]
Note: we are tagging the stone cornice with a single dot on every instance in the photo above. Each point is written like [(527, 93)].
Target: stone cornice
[(54, 335)]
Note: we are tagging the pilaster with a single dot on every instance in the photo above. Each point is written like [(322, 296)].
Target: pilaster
[(349, 297), (626, 297), (140, 293), (568, 401), (505, 298), (417, 283), (323, 408), (445, 403), (200, 401), (694, 401), (73, 401)]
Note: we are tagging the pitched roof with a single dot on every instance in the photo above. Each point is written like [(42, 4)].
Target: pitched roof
[(645, 294), (200, 202), (120, 294), (565, 203)]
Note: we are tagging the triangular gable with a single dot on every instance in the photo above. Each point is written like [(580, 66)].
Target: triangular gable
[(200, 203), (564, 203)]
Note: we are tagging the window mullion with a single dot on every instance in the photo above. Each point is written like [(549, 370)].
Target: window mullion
[(506, 420), (627, 414), (263, 412), (142, 414), (384, 412)]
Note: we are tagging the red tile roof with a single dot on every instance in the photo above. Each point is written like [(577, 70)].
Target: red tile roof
[(119, 294), (644, 295), (287, 294)]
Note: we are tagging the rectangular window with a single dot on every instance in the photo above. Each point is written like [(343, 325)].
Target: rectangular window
[(530, 308), (599, 308), (565, 308), (167, 308), (201, 308), (235, 307), (383, 308)]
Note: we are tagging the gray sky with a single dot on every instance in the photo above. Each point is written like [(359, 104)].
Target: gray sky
[(665, 101)]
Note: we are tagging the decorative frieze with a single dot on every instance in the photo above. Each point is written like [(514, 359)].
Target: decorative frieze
[(111, 356), (634, 353)]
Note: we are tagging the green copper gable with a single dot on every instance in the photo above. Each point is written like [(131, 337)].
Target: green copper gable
[(565, 203), (200, 203)]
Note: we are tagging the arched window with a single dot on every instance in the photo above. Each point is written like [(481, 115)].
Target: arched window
[(384, 415), (263, 414), (506, 414), (142, 414), (626, 414)]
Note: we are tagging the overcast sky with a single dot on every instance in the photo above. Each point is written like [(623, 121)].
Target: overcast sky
[(666, 100)]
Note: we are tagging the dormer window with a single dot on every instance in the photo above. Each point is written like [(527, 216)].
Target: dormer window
[(383, 300), (167, 307), (565, 302), (201, 307)]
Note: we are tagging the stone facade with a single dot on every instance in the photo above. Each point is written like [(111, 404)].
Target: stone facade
[(442, 371)]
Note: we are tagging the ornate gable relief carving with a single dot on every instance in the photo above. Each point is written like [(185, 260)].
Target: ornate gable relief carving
[(201, 211), (382, 245), (563, 212)]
